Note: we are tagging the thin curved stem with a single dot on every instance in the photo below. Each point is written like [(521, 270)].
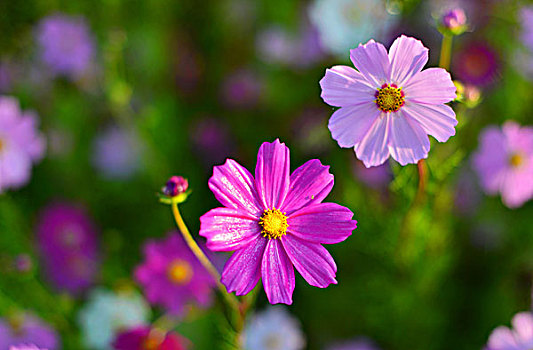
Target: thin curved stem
[(232, 301), (421, 180), (446, 51)]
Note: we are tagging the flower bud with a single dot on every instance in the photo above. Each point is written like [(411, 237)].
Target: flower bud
[(175, 186), (453, 22)]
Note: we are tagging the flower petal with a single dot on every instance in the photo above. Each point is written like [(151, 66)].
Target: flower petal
[(312, 261), (233, 186), (373, 149), (228, 229), (523, 326), (344, 86), (243, 268), (325, 223), (278, 273), (272, 173), (372, 60), (490, 160), (407, 57), (432, 85), (310, 184), (349, 125), (502, 338), (436, 120), (408, 143)]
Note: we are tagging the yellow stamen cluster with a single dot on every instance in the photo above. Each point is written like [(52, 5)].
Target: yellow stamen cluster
[(390, 98), (179, 272), (516, 160), (273, 223)]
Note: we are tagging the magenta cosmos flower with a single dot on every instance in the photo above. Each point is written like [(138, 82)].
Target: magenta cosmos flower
[(504, 162), (69, 248), (172, 277), (389, 105), (21, 143), (146, 338), (518, 338), (274, 222)]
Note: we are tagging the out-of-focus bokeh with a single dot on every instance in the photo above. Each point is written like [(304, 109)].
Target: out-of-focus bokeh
[(102, 101)]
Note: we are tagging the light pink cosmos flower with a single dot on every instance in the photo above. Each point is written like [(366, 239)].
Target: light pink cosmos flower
[(21, 143), (518, 338), (389, 105), (274, 222), (504, 162)]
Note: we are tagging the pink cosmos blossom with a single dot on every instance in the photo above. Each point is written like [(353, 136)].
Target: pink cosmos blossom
[(172, 277), (274, 222), (389, 105), (504, 162), (142, 338), (518, 338), (25, 347), (21, 143), (27, 329)]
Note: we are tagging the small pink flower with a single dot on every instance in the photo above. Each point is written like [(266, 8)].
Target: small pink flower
[(172, 277), (274, 222), (518, 338), (389, 105), (504, 162)]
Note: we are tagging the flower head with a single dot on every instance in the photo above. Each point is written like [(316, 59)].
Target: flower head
[(176, 185), (21, 144), (172, 277), (106, 313), (341, 23), (504, 162), (146, 338), (526, 19), (117, 153), (518, 338), (389, 105), (27, 329), (275, 222), (477, 64), (69, 248), (66, 44), (273, 329), (454, 21)]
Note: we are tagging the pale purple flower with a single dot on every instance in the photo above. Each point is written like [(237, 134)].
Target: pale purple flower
[(25, 347), (518, 338), (21, 143), (27, 329), (476, 64), (274, 222), (504, 162), (117, 153), (172, 277), (389, 105), (242, 89), (273, 329), (66, 44), (68, 246), (454, 19), (358, 344)]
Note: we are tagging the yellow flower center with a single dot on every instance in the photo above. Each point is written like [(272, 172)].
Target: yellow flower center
[(273, 223), (516, 160), (1, 145), (389, 98), (179, 272)]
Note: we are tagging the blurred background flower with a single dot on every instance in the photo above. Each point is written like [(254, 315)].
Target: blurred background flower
[(25, 328)]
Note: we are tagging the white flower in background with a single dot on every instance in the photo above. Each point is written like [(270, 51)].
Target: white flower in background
[(273, 329), (107, 313), (343, 24)]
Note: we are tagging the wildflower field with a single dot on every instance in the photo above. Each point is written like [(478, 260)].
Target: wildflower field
[(266, 175)]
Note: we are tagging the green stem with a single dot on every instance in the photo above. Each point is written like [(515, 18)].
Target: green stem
[(446, 51), (232, 301)]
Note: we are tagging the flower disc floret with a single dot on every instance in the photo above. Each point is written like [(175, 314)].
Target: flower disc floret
[(273, 223), (390, 98), (180, 272)]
